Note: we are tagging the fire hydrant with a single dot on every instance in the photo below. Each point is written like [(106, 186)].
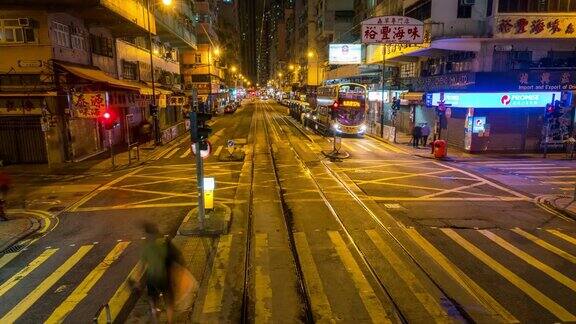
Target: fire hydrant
[(439, 149)]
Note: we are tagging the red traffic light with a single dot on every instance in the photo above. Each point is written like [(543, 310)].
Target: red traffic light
[(106, 115), (335, 105), (549, 108)]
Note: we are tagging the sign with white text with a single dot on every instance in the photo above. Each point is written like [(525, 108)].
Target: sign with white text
[(392, 30), (496, 99), (345, 54)]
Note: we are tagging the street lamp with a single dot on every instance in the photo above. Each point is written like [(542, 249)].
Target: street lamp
[(310, 55), (291, 67), (152, 53), (233, 69)]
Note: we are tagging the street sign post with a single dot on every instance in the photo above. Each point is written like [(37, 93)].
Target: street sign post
[(391, 30), (203, 153), (230, 146)]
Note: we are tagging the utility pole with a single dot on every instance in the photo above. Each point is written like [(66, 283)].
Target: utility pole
[(383, 83), (547, 127)]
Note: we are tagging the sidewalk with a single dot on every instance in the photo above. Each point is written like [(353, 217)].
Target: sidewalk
[(404, 141), (17, 227)]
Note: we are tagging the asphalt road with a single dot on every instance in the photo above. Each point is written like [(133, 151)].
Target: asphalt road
[(383, 236)]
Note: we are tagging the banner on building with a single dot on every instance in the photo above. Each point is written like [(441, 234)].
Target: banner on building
[(89, 105), (345, 54), (392, 30), (522, 26), (22, 106)]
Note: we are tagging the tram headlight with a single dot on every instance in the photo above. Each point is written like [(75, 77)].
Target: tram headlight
[(336, 127), (362, 128)]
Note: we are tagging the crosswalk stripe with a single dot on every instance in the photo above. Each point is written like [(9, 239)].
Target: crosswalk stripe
[(563, 236), (513, 278), (459, 276), (559, 182), (548, 172), (428, 301), (363, 147), (160, 154), (555, 177), (43, 287), (26, 270), (262, 281), (213, 299), (367, 294), (556, 275), (217, 152), (545, 245), (86, 285), (520, 165), (318, 299), (349, 147), (123, 293), (374, 147), (169, 155), (535, 168), (567, 189), (186, 153)]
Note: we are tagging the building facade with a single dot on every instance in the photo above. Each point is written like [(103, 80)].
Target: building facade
[(63, 66)]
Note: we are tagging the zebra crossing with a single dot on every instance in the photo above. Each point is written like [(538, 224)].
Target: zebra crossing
[(484, 262), (559, 174), (182, 153), (77, 271)]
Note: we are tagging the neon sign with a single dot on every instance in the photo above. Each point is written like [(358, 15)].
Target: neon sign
[(495, 99), (349, 103)]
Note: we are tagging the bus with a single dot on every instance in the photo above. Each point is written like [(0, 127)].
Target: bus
[(341, 108)]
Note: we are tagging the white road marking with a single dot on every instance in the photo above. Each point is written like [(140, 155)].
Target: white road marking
[(169, 155)]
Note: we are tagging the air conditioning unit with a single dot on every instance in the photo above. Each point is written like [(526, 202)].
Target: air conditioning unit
[(467, 2), (24, 22)]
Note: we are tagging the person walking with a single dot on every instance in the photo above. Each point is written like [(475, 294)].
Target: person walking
[(160, 257), (425, 132), (416, 134)]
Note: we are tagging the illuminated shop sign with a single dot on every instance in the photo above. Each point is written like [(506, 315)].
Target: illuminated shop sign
[(494, 99), (345, 53), (350, 103)]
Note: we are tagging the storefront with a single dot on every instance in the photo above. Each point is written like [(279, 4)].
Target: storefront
[(510, 122)]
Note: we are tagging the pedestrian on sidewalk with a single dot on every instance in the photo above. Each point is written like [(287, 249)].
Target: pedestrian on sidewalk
[(416, 134), (570, 143), (5, 183), (425, 132)]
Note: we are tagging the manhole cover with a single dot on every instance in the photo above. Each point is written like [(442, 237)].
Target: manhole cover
[(13, 249)]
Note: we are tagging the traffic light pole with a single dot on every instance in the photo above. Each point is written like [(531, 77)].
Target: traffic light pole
[(199, 167), (547, 129)]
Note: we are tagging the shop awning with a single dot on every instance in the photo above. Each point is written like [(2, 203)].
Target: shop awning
[(147, 90), (412, 96), (98, 76), (30, 94)]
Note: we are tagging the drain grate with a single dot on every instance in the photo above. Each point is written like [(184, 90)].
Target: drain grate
[(13, 249)]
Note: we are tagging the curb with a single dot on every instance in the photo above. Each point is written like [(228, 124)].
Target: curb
[(550, 201), (34, 226)]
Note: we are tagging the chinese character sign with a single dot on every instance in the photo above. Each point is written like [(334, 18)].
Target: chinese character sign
[(392, 30), (534, 27), (89, 105)]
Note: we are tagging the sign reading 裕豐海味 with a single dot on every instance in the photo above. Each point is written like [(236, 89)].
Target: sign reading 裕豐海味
[(522, 26), (392, 30)]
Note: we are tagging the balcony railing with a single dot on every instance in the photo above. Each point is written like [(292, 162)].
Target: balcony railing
[(178, 27)]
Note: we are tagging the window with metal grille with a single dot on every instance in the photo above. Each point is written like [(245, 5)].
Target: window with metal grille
[(61, 34), (11, 31), (129, 70)]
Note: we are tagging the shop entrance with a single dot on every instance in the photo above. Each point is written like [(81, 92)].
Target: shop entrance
[(22, 140)]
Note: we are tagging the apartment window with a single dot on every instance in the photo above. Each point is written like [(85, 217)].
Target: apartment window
[(129, 70), (16, 31), (61, 33), (102, 45), (489, 6), (464, 11), (78, 42), (420, 10), (197, 58)]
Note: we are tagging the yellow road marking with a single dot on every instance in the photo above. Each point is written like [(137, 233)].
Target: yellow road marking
[(545, 245), (46, 222), (213, 299), (262, 282), (458, 190), (186, 153), (217, 152), (430, 303), (123, 293), (363, 147), (495, 198), (147, 183), (517, 281), (169, 155), (349, 147), (86, 285), (553, 212), (43, 287), (371, 302), (26, 271), (172, 194), (318, 299), (563, 236), (510, 191), (411, 175), (461, 278), (530, 260)]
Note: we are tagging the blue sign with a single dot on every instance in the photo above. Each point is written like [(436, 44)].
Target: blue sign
[(496, 99)]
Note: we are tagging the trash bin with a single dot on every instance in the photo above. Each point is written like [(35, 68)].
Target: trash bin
[(440, 149)]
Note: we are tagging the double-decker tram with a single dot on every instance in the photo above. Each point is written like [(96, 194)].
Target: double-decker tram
[(341, 108)]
